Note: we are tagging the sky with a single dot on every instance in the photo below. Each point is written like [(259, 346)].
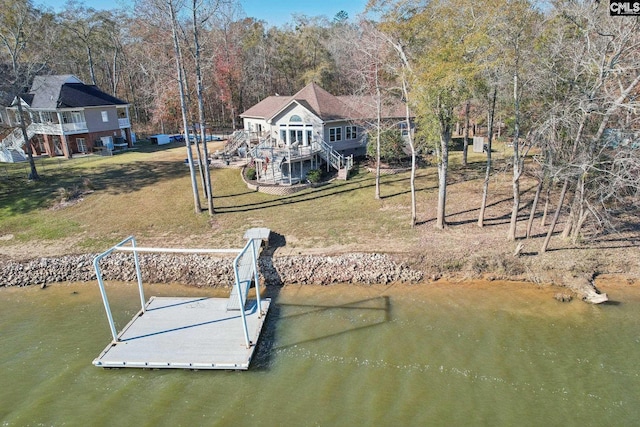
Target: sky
[(274, 12)]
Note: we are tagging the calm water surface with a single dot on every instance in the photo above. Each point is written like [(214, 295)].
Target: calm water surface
[(494, 354)]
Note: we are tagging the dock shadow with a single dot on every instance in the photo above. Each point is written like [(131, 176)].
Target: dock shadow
[(378, 311), (271, 289)]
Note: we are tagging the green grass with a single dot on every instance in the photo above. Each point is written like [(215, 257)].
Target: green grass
[(147, 193)]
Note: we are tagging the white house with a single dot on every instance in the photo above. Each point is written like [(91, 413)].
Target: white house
[(313, 123)]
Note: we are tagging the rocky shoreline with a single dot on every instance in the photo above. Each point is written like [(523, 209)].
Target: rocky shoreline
[(206, 271)]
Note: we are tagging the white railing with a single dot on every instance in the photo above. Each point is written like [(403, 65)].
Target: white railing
[(332, 157), (46, 128), (124, 123), (15, 141), (75, 127), (250, 246)]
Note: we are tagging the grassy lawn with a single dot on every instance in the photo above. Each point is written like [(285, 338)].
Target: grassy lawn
[(147, 193)]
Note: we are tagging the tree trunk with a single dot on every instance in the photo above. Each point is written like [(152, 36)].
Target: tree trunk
[(534, 206), (465, 147), (511, 235), (183, 106), (92, 72), (487, 174), (201, 115), (379, 128), (547, 196), (568, 226), (443, 166), (412, 180), (33, 175), (556, 215), (584, 214)]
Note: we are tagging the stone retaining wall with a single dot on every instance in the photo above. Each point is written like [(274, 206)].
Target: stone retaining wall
[(207, 271), (275, 190)]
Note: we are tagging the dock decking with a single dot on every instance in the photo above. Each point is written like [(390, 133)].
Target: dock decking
[(187, 332)]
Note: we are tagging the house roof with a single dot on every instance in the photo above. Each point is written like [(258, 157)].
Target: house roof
[(323, 104), (66, 91), (366, 107), (265, 108)]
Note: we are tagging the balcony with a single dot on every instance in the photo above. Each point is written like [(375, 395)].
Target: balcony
[(124, 123), (46, 128), (75, 127)]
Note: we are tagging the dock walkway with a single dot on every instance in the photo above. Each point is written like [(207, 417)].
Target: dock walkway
[(186, 332)]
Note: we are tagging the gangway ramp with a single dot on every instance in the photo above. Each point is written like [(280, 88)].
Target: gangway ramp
[(186, 332)]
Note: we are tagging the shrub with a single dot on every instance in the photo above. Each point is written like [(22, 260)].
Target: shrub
[(391, 145), (314, 175), (251, 174)]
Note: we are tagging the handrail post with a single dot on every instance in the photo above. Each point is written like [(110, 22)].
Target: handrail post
[(240, 295), (105, 300), (103, 291), (138, 273), (256, 278)]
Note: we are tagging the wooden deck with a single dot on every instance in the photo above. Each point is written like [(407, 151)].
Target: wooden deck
[(186, 333)]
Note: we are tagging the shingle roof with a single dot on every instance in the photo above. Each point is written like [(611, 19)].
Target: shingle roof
[(266, 108), (66, 91), (366, 107), (324, 105), (81, 95)]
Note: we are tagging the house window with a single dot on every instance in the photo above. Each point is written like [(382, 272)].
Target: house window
[(105, 116), (335, 134), (82, 145), (403, 128), (350, 132), (295, 118), (77, 117), (295, 136)]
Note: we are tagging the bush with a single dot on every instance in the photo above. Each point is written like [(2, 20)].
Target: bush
[(314, 175), (391, 145), (251, 174)]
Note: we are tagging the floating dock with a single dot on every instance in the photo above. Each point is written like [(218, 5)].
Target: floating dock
[(190, 332)]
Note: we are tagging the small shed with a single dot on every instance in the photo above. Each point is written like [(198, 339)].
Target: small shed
[(479, 144), (160, 139)]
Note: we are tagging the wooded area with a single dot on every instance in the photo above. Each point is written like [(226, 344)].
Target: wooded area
[(561, 79)]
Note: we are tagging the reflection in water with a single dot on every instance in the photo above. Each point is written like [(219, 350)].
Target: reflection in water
[(489, 353)]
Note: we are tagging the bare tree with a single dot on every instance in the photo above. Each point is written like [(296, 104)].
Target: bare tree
[(167, 11), (201, 12), (603, 68), (24, 42)]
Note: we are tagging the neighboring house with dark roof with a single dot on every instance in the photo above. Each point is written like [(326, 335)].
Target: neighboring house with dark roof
[(313, 127), (66, 116)]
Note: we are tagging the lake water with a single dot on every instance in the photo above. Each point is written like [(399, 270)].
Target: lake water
[(497, 354)]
